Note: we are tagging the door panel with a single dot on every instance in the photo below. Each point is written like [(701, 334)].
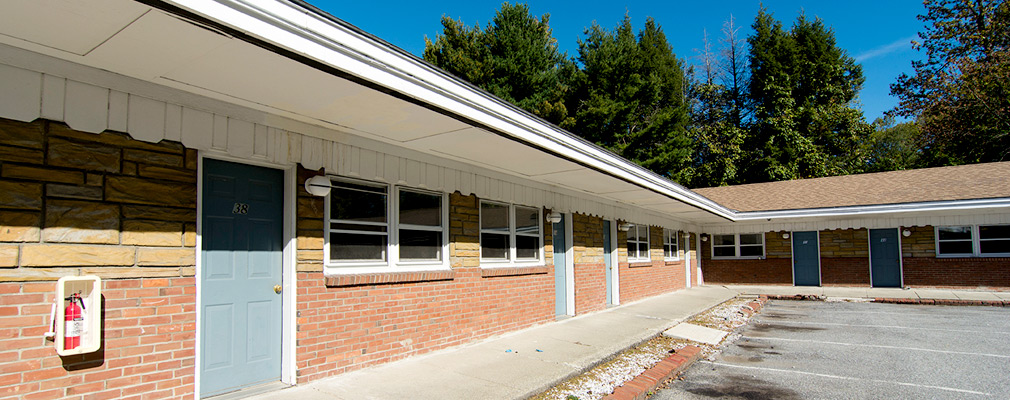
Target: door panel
[(241, 239), (560, 282), (885, 258), (806, 259), (607, 248)]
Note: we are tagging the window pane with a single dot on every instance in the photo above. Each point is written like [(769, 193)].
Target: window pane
[(641, 233), (724, 252), (354, 202), (420, 245), (527, 247), (349, 246), (954, 232), (632, 250), (994, 232), (494, 246), (995, 246), (358, 227), (527, 221), (751, 251), (668, 251), (420, 208), (643, 250), (956, 247), (494, 217), (754, 238), (723, 240)]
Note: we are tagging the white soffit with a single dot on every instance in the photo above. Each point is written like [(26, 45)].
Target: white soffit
[(477, 146), (57, 24), (587, 180)]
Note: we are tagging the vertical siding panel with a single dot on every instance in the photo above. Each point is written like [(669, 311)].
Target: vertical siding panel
[(22, 90), (145, 119), (240, 138), (260, 141), (173, 123), (54, 91), (432, 180), (366, 164), (294, 147), (119, 104), (86, 107), (392, 168), (413, 173), (312, 153), (197, 129), (220, 137)]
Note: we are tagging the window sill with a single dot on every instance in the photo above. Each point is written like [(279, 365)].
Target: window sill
[(738, 258), (380, 278), (971, 257), (639, 264), (490, 272)]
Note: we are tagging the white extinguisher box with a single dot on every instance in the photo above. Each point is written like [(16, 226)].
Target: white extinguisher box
[(84, 292)]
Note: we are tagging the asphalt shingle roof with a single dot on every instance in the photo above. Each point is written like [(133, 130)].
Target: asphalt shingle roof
[(963, 182)]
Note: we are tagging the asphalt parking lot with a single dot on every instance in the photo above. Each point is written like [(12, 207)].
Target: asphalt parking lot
[(839, 350)]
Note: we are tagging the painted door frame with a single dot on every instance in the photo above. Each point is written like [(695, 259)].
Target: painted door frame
[(615, 273), (687, 257), (569, 264), (288, 263), (792, 253), (901, 258), (697, 252)]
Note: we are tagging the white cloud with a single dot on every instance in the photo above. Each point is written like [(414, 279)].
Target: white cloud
[(886, 49)]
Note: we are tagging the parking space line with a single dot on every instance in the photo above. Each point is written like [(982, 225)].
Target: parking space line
[(879, 346), (949, 389), (880, 326)]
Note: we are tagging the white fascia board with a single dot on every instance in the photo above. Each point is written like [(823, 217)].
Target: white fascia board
[(931, 206), (313, 35)]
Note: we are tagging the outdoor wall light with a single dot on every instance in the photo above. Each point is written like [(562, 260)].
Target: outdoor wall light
[(553, 217), (704, 238), (318, 185), (624, 226), (785, 235), (906, 233)]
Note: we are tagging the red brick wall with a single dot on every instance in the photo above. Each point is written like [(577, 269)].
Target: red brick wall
[(147, 347), (957, 273), (772, 271), (845, 271), (590, 266), (641, 280)]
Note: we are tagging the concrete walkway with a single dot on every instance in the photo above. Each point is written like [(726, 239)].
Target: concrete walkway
[(487, 370)]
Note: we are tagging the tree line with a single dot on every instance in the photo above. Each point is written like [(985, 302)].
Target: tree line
[(777, 104)]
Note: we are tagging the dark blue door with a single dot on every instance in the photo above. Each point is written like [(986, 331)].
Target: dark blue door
[(607, 262), (885, 262), (560, 282), (240, 317), (806, 259)]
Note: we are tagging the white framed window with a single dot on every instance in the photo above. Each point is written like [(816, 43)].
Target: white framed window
[(379, 227), (973, 241), (510, 234), (638, 243), (671, 246), (738, 245)]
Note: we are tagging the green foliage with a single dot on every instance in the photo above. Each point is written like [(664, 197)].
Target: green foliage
[(801, 87), (961, 93), (630, 97), (893, 147), (515, 58)]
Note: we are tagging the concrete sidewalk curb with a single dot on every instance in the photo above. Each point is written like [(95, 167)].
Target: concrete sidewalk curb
[(895, 300), (647, 382), (640, 387)]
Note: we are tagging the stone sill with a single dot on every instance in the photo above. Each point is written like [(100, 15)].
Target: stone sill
[(514, 271), (380, 278), (641, 264)]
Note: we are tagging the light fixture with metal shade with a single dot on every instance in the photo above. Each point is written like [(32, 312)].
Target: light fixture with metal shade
[(318, 185)]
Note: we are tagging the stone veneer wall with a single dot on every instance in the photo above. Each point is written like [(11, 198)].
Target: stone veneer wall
[(354, 321), (74, 203)]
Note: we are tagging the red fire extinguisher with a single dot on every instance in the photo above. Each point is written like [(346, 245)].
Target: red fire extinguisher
[(74, 319)]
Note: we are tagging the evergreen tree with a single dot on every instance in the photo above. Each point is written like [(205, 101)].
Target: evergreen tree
[(801, 88), (960, 94), (515, 58), (631, 98)]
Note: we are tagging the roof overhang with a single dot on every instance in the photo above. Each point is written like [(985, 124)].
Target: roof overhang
[(289, 59)]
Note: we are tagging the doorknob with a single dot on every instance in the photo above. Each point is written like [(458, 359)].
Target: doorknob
[(277, 289)]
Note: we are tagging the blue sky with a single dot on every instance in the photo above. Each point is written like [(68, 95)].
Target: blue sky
[(876, 33)]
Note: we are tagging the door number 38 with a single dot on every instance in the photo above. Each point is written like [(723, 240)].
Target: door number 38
[(240, 208)]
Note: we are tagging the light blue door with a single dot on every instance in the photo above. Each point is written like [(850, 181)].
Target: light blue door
[(560, 285), (607, 261), (240, 319), (806, 259), (885, 262)]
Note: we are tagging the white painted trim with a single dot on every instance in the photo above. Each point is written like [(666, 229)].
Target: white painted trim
[(289, 281), (874, 209), (736, 247), (615, 266), (697, 252), (676, 237), (687, 258), (648, 243), (570, 264)]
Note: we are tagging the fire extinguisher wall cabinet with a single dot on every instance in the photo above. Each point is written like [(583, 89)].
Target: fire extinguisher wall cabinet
[(78, 317)]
